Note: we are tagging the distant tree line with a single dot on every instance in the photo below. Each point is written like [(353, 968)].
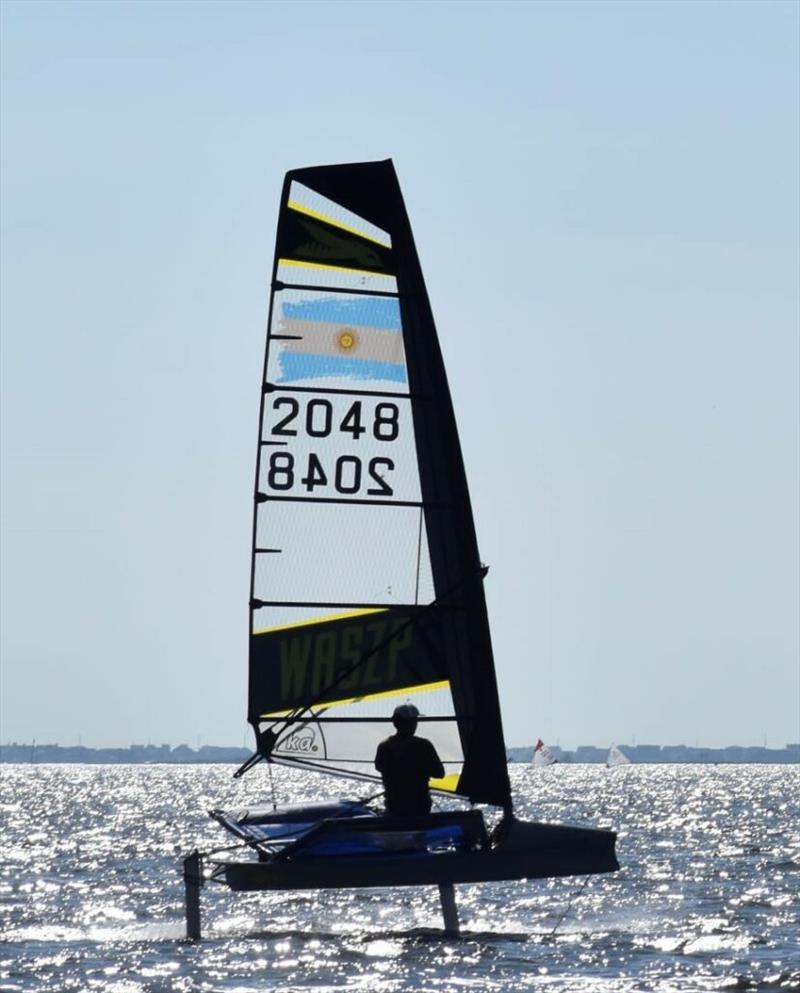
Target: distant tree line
[(669, 754), (33, 752)]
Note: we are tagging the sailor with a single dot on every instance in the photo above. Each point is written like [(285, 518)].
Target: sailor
[(406, 763)]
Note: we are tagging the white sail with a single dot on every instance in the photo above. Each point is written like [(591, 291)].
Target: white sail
[(616, 757), (542, 756), (366, 583)]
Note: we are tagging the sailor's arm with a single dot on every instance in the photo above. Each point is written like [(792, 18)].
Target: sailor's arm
[(436, 769)]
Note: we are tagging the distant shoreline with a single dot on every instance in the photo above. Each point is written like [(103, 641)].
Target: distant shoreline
[(207, 754), (671, 755)]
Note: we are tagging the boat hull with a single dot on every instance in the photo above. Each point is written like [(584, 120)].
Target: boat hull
[(527, 851)]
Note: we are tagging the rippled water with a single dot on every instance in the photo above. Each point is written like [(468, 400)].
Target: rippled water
[(708, 898)]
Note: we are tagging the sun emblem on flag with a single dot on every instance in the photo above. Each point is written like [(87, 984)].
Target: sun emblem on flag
[(346, 340)]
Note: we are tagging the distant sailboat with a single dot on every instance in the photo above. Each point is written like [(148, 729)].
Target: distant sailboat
[(542, 756), (616, 757)]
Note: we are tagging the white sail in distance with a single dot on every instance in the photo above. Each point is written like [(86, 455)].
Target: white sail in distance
[(542, 756), (616, 757)]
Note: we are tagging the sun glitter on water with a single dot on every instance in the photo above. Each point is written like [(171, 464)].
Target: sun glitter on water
[(91, 891)]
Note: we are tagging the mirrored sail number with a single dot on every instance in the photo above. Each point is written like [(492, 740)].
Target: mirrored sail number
[(318, 420), (332, 448), (346, 475)]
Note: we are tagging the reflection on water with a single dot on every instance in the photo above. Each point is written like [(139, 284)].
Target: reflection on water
[(91, 896)]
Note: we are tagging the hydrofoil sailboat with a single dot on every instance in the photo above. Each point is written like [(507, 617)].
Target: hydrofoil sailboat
[(366, 583)]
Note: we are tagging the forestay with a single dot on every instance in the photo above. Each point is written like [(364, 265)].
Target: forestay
[(367, 587)]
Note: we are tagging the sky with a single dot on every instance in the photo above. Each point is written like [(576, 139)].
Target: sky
[(605, 201)]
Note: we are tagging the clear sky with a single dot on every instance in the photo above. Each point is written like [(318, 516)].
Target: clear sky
[(605, 201)]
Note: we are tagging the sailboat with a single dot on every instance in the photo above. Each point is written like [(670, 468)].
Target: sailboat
[(616, 757), (542, 756), (366, 586)]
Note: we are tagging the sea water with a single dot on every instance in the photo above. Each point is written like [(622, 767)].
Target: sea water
[(708, 897)]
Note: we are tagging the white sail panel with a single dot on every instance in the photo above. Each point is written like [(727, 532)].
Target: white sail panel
[(344, 740), (322, 736), (340, 341), (327, 553), (320, 274), (339, 447)]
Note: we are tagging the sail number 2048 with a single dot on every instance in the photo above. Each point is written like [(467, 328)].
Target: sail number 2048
[(319, 420), (344, 474)]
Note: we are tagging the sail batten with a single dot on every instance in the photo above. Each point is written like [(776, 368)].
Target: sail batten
[(274, 498), (272, 388), (355, 720), (360, 484), (279, 285), (360, 607)]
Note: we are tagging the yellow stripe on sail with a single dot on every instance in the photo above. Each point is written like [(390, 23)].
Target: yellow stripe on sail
[(321, 620), (448, 783), (318, 215), (385, 695), (300, 264)]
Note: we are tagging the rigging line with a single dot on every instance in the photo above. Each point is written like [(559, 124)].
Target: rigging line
[(369, 799), (365, 658), (569, 906), (419, 557), (248, 764), (244, 843), (336, 773), (271, 497), (362, 777), (272, 786), (275, 841)]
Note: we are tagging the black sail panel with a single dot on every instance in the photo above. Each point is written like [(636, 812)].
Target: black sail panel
[(367, 586)]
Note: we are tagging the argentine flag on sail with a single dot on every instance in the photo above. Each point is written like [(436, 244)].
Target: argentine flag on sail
[(349, 338)]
